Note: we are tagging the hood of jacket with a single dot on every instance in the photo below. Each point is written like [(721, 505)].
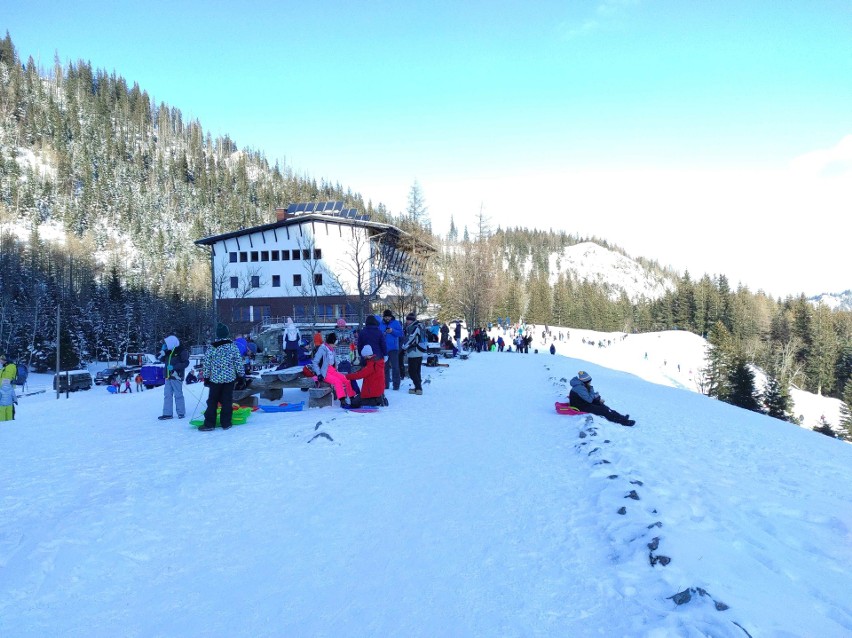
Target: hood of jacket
[(575, 382), (172, 342)]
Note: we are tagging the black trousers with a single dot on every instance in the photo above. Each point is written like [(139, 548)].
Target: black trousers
[(414, 364), (291, 358), (219, 393), (595, 408)]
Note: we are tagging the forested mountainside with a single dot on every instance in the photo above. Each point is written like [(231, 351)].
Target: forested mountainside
[(83, 151), (128, 185)]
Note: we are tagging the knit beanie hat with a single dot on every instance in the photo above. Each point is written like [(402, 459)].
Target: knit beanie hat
[(410, 317), (367, 351), (222, 331), (585, 377), (387, 313), (371, 321)]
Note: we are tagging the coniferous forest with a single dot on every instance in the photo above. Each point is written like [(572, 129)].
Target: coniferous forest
[(128, 185)]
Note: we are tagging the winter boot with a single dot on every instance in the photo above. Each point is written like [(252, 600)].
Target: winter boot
[(164, 417)]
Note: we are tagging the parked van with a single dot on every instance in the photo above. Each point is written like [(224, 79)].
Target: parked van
[(76, 380), (153, 375)]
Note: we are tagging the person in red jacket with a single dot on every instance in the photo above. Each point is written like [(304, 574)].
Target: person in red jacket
[(373, 374)]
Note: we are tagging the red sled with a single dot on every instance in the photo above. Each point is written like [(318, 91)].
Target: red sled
[(566, 408)]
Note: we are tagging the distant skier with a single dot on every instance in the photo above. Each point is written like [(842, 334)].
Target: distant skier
[(584, 398)]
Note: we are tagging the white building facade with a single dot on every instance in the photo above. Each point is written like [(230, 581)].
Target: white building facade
[(307, 265)]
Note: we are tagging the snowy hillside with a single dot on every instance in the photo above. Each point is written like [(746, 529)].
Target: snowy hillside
[(473, 510), (835, 301), (610, 270)]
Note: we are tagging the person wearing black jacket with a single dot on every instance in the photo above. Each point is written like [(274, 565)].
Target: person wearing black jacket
[(584, 398), (175, 357)]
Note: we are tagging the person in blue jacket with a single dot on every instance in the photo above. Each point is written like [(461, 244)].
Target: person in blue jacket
[(393, 333), (584, 398)]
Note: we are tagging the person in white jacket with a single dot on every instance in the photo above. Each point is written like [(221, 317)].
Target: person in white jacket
[(292, 336)]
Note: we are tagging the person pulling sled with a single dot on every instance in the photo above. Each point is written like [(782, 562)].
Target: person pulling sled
[(584, 398)]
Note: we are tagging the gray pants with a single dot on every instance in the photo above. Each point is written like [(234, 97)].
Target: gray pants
[(173, 388), (392, 369)]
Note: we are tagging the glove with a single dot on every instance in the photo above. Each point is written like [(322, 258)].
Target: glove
[(171, 368)]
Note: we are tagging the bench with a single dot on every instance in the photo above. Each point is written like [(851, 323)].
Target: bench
[(320, 397)]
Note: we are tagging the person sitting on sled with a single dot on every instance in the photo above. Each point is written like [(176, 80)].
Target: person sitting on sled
[(584, 398), (373, 374)]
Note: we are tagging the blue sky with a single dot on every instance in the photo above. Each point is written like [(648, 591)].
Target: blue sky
[(632, 120)]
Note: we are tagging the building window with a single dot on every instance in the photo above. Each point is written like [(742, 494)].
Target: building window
[(232, 257), (317, 253), (235, 282), (317, 279), (264, 255), (250, 314), (297, 281), (274, 255), (295, 255), (243, 256), (306, 254), (254, 255), (276, 281), (285, 255), (255, 281)]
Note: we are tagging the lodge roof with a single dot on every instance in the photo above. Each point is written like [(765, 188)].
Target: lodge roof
[(404, 240)]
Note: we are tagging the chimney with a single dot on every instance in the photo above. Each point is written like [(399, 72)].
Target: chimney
[(281, 214)]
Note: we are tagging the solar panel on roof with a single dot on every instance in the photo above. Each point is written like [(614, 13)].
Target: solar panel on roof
[(350, 213), (338, 205), (300, 207), (329, 206), (309, 207), (292, 208)]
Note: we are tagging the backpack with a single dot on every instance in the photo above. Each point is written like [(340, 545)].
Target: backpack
[(21, 377)]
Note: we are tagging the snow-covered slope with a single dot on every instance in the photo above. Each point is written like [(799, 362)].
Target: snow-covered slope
[(835, 301), (609, 269), (473, 510)]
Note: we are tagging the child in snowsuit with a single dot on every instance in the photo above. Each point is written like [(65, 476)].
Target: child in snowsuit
[(584, 398), (223, 365)]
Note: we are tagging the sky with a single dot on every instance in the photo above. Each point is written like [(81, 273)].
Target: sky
[(472, 510), (694, 135)]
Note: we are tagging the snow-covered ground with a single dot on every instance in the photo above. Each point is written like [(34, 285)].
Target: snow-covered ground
[(473, 510)]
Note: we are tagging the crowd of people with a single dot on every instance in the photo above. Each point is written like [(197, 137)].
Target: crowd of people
[(386, 349)]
